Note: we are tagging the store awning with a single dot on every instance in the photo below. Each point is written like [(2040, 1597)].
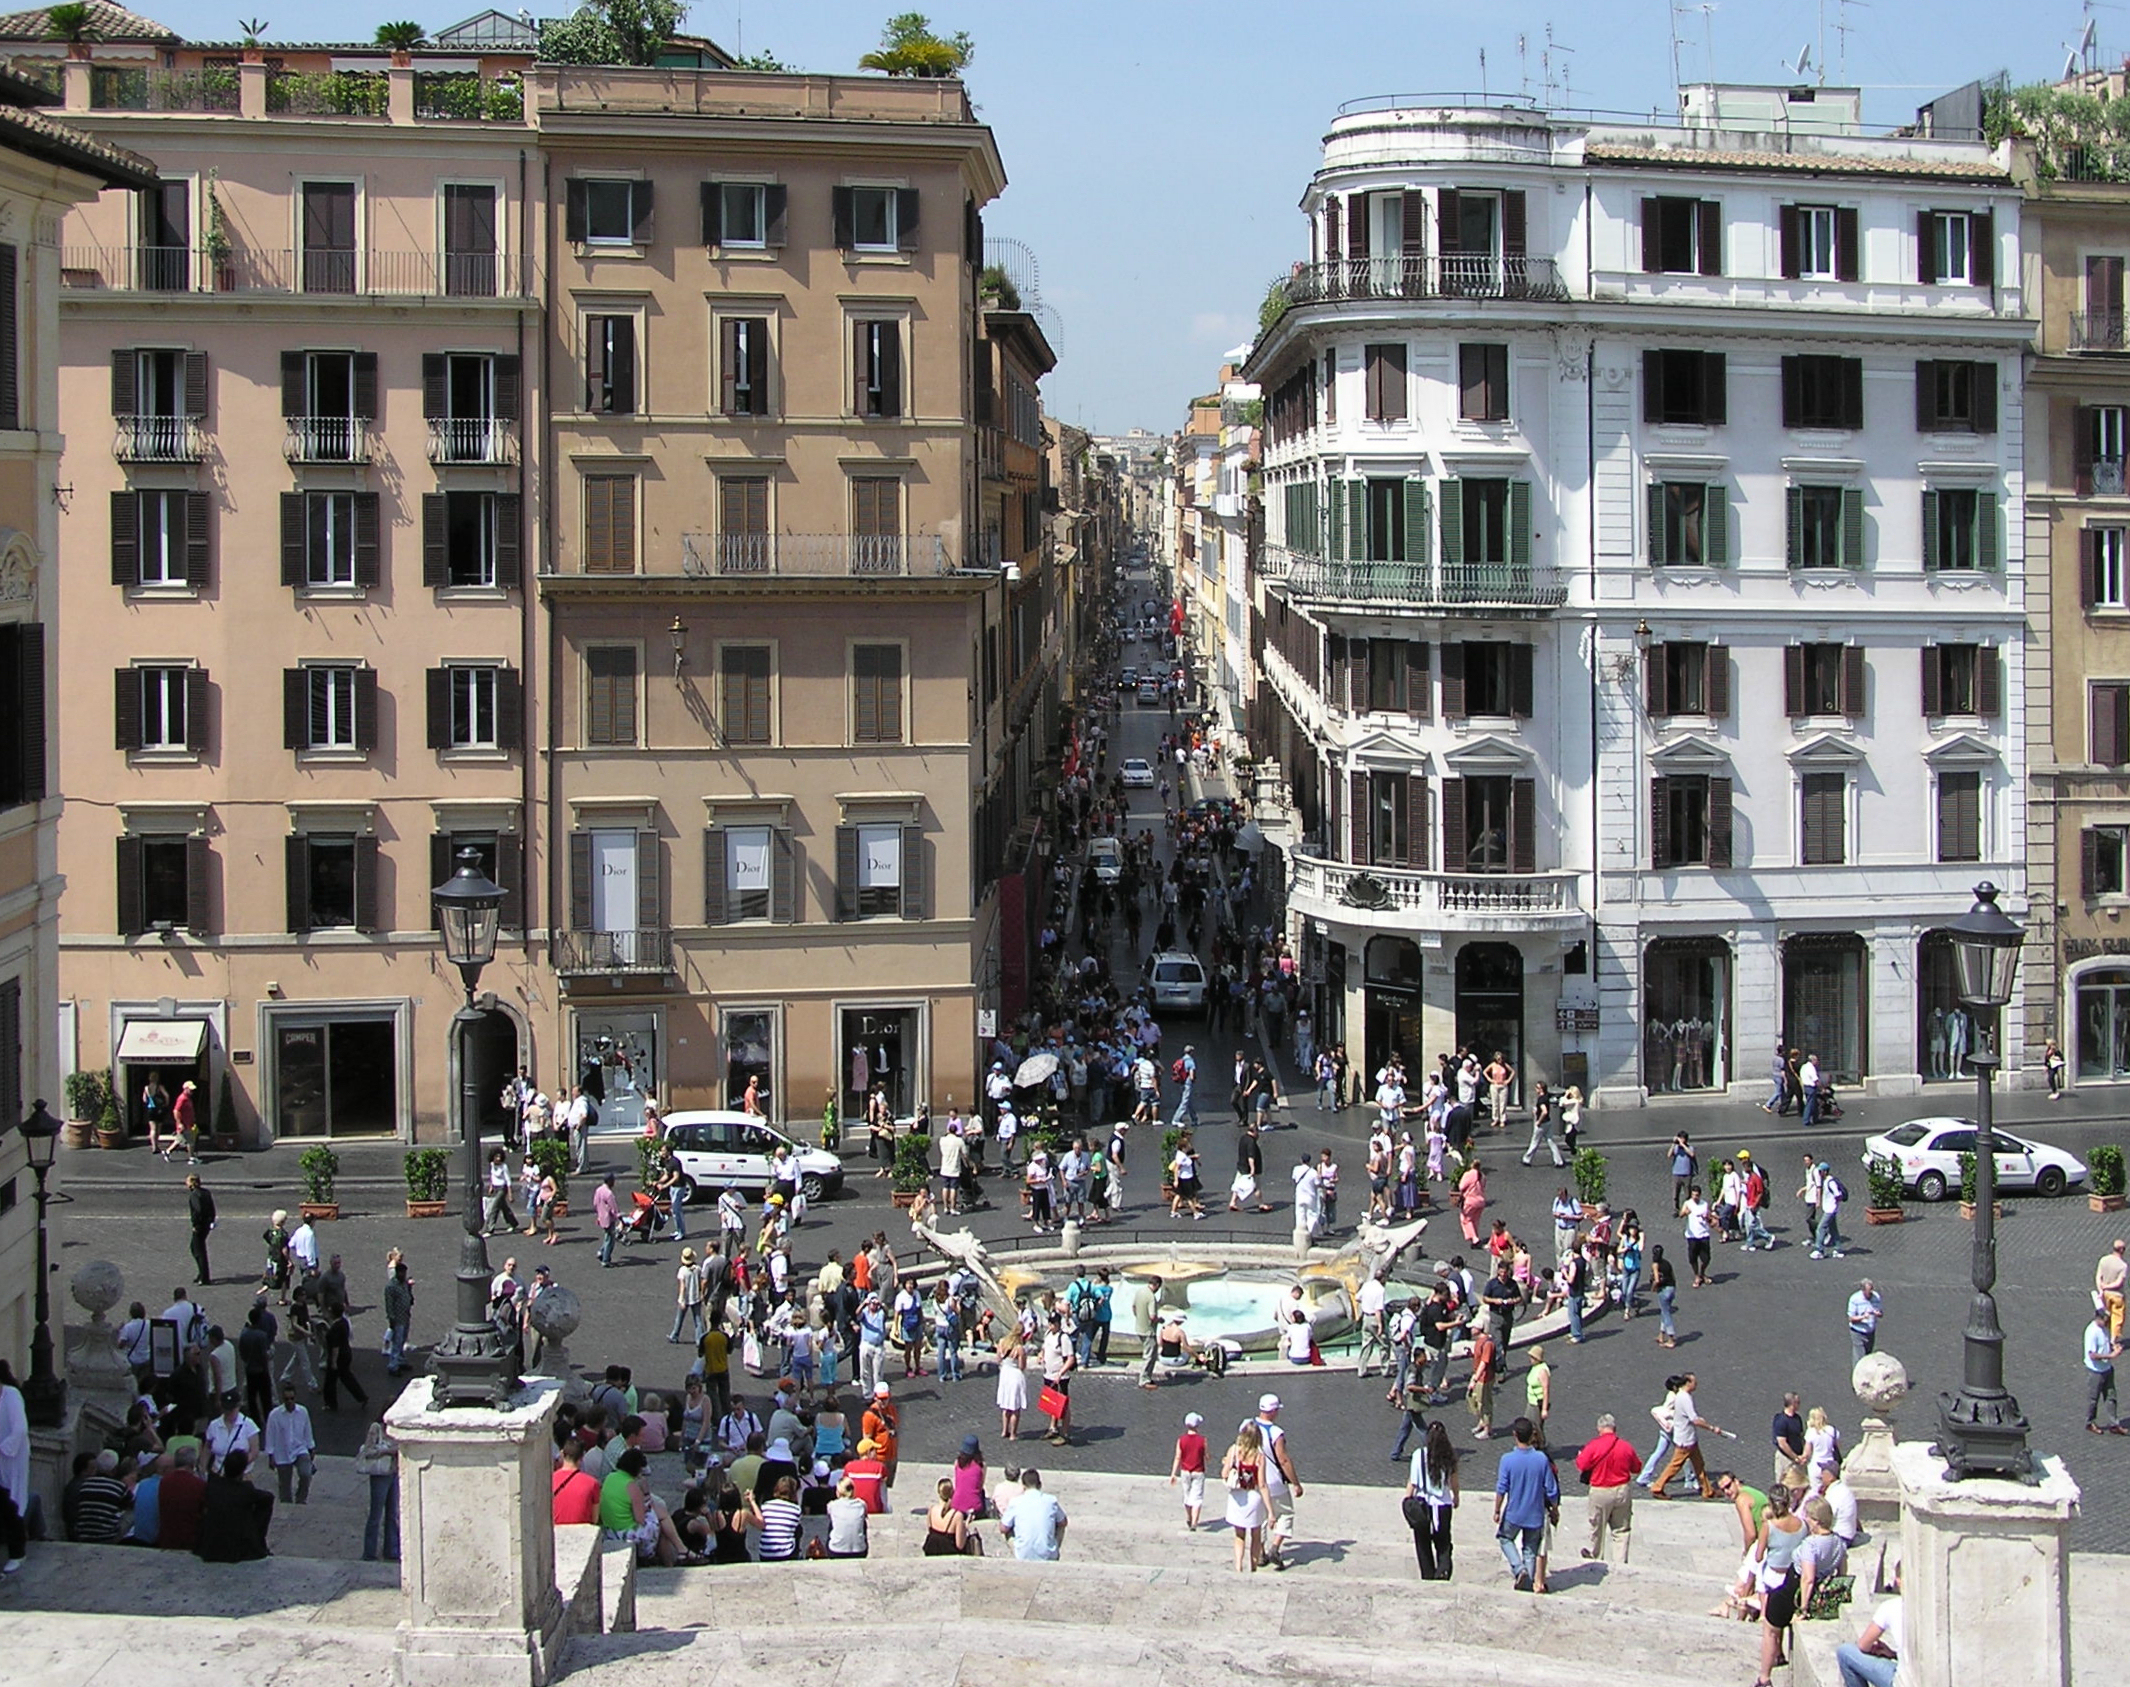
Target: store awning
[(147, 1041)]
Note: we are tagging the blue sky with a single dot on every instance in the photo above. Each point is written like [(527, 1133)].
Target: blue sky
[(1156, 149)]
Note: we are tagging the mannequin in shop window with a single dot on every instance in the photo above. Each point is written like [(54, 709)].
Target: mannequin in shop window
[(1659, 1064), (1937, 1042), (1959, 1035)]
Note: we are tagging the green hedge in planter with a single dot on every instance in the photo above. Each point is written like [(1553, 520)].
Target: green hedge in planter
[(1967, 1178), (1590, 1176), (913, 1163), (1887, 1188), (2107, 1169), (551, 1155), (428, 1173), (321, 1169), (88, 1093)]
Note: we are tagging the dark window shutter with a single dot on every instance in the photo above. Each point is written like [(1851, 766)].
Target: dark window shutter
[(621, 370), (2088, 568), (195, 709), (1357, 819), (1989, 682), (1417, 689), (1335, 664), (438, 688), (510, 874), (125, 382), (1794, 524), (296, 860), (1847, 244), (914, 882), (126, 708), (1447, 212), (1512, 225), (1852, 527), (1520, 524), (1793, 680), (1415, 223), (2088, 861), (443, 862), (1985, 389), (507, 384), (1719, 822), (891, 369), (1356, 679), (842, 211), (1852, 392), (1986, 547), (713, 198), (1660, 822), (196, 383), (1523, 826), (580, 881), (1933, 681), (10, 338), (728, 365), (2082, 450), (574, 221), (199, 916), (1716, 681), (1357, 520), (1452, 492), (775, 222), (1456, 844), (1652, 236), (906, 209), (1852, 680), (368, 915), (1982, 247), (1715, 388), (1453, 682), (369, 551), (1708, 215), (366, 386), (1656, 681), (365, 709), (295, 709), (846, 872), (132, 899), (1357, 226), (510, 709), (125, 538), (713, 876), (642, 196), (1416, 522), (1926, 396), (436, 549), (1416, 850), (436, 387), (1926, 250), (1659, 549), (1652, 385), (1930, 530), (1520, 686), (294, 399), (1792, 242), (650, 897), (197, 557), (1715, 526), (510, 540), (1793, 391), (2105, 723)]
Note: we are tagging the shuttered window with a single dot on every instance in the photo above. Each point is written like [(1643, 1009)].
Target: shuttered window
[(1955, 397), (876, 693), (1824, 526), (1483, 383), (2109, 711), (744, 671), (1690, 821), (1960, 530), (1962, 679), (1685, 387), (10, 347), (1689, 524), (1822, 392), (877, 348), (610, 523), (1688, 679), (1960, 815), (22, 713), (743, 365), (2104, 567), (1825, 798), (1823, 679), (610, 365), (1819, 242), (610, 694), (1682, 236), (2104, 861), (1386, 400)]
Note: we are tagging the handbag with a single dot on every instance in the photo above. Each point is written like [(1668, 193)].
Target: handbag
[(1419, 1517), (1051, 1402)]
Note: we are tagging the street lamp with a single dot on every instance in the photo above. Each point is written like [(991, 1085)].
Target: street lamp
[(472, 1365), (44, 1390), (1980, 1429)]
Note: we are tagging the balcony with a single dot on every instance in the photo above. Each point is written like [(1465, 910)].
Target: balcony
[(2097, 330), (813, 555), (1431, 585), (159, 439), (248, 269), (2108, 477), (472, 439), (646, 951), (325, 439), (1400, 899), (1442, 275)]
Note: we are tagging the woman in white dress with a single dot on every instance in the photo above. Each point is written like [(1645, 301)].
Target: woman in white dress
[(1012, 1385), (1243, 1470)]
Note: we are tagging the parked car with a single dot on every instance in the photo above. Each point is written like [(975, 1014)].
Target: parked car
[(1106, 857), (1929, 1151), (716, 1147), (1138, 774), (1176, 979)]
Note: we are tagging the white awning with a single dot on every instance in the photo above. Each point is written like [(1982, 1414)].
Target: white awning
[(146, 1041)]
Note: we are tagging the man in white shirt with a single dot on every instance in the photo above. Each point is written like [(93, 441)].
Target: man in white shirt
[(1686, 1426), (1841, 1500), (1282, 1486), (581, 1114), (229, 1433), (952, 1153), (1808, 1082), (1874, 1658), (290, 1445), (1375, 1337), (1865, 1309), (303, 1250)]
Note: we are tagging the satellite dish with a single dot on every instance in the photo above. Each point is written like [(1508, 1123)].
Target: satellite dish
[(2085, 37), (1803, 61)]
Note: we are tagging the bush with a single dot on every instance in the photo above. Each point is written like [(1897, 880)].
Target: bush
[(2107, 1164), (1170, 1140), (428, 1173), (1882, 1172), (913, 1163), (1589, 1169), (649, 1157), (88, 1093), (320, 1167), (1967, 1178), (551, 1155), (333, 93)]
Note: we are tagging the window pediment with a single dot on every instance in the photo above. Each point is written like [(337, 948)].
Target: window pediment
[(1962, 749), (1826, 750), (1490, 753), (1692, 753)]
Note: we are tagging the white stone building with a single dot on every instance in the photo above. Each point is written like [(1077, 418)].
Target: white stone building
[(1641, 587)]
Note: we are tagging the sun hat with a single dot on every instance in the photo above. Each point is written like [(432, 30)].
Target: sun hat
[(970, 1445), (687, 1256)]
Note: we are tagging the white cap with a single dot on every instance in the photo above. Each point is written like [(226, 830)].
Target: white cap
[(1268, 1402), (1191, 1420)]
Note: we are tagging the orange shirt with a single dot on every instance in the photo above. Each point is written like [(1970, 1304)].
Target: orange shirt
[(881, 1425), (861, 1271)]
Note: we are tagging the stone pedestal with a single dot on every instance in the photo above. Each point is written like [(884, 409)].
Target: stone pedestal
[(1869, 1472), (1985, 1575), (478, 1540), (1069, 1238)]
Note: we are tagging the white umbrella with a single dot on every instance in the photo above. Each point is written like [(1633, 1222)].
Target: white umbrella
[(1035, 1070), (1248, 838)]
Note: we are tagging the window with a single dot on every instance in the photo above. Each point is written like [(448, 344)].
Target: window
[(743, 364), (1391, 829), (876, 693), (1689, 524), (1960, 815), (880, 872), (1688, 387), (1826, 527), (332, 882), (1956, 397), (736, 214), (744, 542), (1822, 392), (1815, 242), (1483, 383), (1486, 679), (470, 400), (159, 538), (1959, 530), (2105, 582), (1690, 821), (1386, 383), (2105, 867), (158, 399), (1688, 679), (1486, 825), (2109, 707), (743, 689), (1823, 679), (329, 539), (22, 749), (1331, 388), (1962, 679), (610, 365), (471, 539), (330, 707), (475, 706), (1485, 531), (605, 212), (1682, 236), (610, 694), (326, 397), (875, 219), (2101, 329), (878, 347), (165, 220), (469, 240), (161, 884), (328, 237), (610, 524), (2097, 450), (1388, 682), (157, 706), (1382, 534), (1825, 797), (876, 524), (1956, 247), (747, 852), (501, 856)]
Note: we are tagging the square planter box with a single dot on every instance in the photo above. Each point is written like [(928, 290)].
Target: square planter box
[(2107, 1203), (1885, 1215)]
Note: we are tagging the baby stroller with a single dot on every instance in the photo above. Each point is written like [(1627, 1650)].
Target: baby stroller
[(646, 1219), (1829, 1108)]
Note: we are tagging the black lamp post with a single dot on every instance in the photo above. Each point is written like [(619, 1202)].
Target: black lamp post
[(473, 1365), (1980, 1429), (44, 1390)]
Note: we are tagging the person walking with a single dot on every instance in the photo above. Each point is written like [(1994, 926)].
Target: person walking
[(1431, 1496), (1479, 1391), (2108, 1280), (1527, 1497), (1472, 1200), (687, 1296), (606, 1213), (1687, 1423), (1683, 1162), (200, 1211), (1542, 1126), (399, 1317), (2102, 1349), (1282, 1486), (1243, 1469), (1609, 1465), (291, 1448), (1699, 1229), (1188, 1467), (1827, 1239), (1866, 1308)]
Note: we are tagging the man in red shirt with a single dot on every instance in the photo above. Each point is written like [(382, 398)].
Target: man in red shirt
[(867, 1476), (1609, 1464), (576, 1495), (180, 1498)]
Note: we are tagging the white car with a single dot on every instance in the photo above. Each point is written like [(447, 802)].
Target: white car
[(1138, 774), (1106, 857), (1176, 979), (715, 1147), (1929, 1151)]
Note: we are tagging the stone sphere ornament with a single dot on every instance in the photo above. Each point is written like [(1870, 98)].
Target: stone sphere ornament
[(556, 1313), (97, 1286), (1880, 1381)]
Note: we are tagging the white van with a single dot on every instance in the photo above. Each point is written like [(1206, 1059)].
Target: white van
[(1176, 979)]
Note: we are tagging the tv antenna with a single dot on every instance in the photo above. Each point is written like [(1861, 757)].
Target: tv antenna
[(1523, 63), (1546, 67)]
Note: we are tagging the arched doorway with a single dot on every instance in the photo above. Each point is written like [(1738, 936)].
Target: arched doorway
[(1490, 1005), (491, 1054)]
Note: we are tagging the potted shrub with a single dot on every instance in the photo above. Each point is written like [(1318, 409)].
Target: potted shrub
[(1170, 1139), (111, 1122), (2104, 1194), (1882, 1204), (648, 1160), (551, 1155), (1967, 1189), (1589, 1170), (428, 1179), (912, 1168), (88, 1093), (321, 1169)]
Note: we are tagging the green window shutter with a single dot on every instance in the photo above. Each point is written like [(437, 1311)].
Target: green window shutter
[(1657, 551), (1337, 507), (1715, 526), (1794, 499), (1853, 527), (1452, 521), (1357, 520), (1930, 530), (1416, 514), (1985, 530), (1519, 524)]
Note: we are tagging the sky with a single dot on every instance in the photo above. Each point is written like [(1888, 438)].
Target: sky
[(1155, 150)]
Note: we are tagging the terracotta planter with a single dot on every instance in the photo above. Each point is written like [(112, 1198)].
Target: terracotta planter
[(426, 1209), (77, 1133), (905, 1198), (110, 1138), (2107, 1203), (1967, 1209), (318, 1209), (561, 1208), (1885, 1215)]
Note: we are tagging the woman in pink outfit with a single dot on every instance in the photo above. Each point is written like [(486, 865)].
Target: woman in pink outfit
[(1471, 1201)]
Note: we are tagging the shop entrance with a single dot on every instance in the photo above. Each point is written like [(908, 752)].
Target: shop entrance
[(1824, 1000), (336, 1077), (2104, 1024), (1490, 1005), (879, 1049), (1945, 1027), (491, 1054), (622, 1050), (1686, 1033), (1392, 973)]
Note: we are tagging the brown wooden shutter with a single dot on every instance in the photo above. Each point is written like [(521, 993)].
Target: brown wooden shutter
[(575, 222), (2082, 450), (728, 365), (1357, 227), (436, 551), (891, 369), (1417, 689), (1708, 219), (1982, 248), (366, 709), (510, 540), (199, 912), (125, 538), (1926, 250), (650, 896), (1847, 244), (125, 382), (1448, 235), (126, 708), (1989, 682), (643, 196), (2088, 861), (198, 559), (1453, 684), (1985, 399), (713, 204), (1933, 681), (1793, 391), (1719, 821), (843, 216), (907, 208), (369, 551), (1415, 223), (295, 709), (296, 870), (1417, 854), (783, 877), (1656, 681), (2088, 567), (1793, 681), (914, 879), (10, 338), (2105, 722), (1358, 816), (510, 709), (1456, 842), (1716, 681), (776, 223), (1660, 822), (196, 384), (436, 386), (714, 870), (846, 872), (580, 881), (438, 689), (1652, 236), (1852, 680), (294, 397), (1523, 826), (368, 914), (1792, 243), (1521, 690), (508, 386), (132, 892), (1852, 392), (366, 385)]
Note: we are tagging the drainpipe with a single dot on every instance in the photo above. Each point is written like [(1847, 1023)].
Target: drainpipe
[(556, 897), (527, 789), (1597, 864)]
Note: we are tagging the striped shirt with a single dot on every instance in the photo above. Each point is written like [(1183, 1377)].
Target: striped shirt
[(780, 1530)]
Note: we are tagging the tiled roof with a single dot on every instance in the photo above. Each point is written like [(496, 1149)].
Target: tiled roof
[(1793, 163), (107, 22), (32, 132)]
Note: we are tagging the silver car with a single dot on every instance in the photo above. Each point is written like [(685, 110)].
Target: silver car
[(1176, 979)]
